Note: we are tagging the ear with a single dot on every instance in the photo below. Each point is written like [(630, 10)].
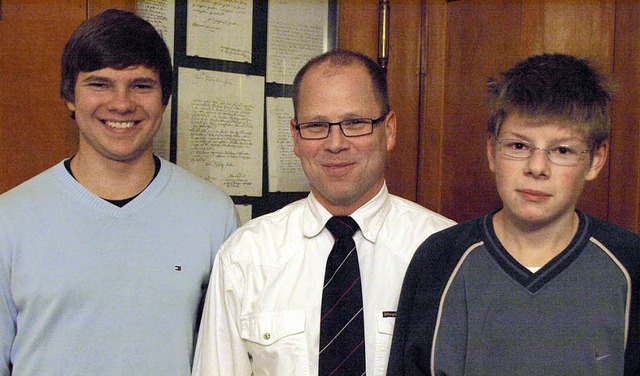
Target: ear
[(295, 135), (598, 161), (71, 106), (390, 129), (491, 153)]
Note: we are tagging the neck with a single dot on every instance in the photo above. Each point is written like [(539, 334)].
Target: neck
[(532, 245), (346, 206), (112, 179)]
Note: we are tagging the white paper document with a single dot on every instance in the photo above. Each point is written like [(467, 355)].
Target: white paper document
[(220, 128), (161, 14), (297, 31), (285, 169), (220, 29)]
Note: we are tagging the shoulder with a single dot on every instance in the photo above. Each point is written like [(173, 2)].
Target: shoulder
[(184, 181), (609, 233), (266, 235), (403, 209), (35, 189), (452, 242), (622, 243)]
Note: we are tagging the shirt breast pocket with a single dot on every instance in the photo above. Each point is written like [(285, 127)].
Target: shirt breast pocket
[(276, 342), (384, 334)]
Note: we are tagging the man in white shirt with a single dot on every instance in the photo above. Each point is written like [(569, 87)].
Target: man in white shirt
[(263, 309)]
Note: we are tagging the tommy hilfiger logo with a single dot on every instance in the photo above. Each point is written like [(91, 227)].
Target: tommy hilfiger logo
[(178, 268)]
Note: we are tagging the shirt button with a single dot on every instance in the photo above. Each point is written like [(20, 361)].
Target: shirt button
[(266, 336)]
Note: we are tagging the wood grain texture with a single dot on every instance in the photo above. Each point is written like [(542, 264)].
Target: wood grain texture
[(36, 131), (624, 173)]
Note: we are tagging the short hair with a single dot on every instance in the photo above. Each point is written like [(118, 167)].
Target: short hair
[(342, 58), (557, 87), (115, 39)]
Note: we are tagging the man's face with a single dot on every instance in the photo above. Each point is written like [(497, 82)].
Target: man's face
[(534, 190), (117, 111), (344, 172)]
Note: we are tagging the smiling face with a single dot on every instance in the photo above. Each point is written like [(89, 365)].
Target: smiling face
[(344, 172), (534, 190), (118, 112)]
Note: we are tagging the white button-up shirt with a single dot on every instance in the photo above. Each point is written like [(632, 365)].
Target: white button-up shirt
[(262, 311)]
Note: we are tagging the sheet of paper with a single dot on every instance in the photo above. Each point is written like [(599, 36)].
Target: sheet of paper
[(220, 128), (220, 29), (285, 169), (245, 213), (161, 14), (297, 31)]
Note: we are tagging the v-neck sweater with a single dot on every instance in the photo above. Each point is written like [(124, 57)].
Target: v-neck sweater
[(468, 307)]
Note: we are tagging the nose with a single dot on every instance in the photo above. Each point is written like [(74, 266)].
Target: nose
[(336, 141), (121, 101), (538, 163)]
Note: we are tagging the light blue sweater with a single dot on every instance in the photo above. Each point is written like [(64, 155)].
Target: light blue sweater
[(87, 288)]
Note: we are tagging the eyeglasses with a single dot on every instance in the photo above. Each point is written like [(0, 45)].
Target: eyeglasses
[(562, 155), (317, 130)]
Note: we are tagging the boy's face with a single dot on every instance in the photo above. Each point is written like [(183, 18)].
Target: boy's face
[(534, 190), (118, 111)]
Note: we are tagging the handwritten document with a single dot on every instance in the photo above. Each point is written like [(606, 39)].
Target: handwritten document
[(285, 169), (297, 31), (220, 29), (161, 14), (220, 128)]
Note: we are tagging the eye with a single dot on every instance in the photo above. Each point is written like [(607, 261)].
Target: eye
[(355, 123), (313, 126), (564, 150), (97, 85), (517, 145), (144, 86)]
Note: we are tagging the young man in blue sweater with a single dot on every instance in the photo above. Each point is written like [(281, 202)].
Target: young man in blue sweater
[(105, 257), (535, 287)]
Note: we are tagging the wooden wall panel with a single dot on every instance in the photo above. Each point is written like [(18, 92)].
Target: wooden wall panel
[(99, 6), (586, 30), (404, 93), (358, 31), (477, 48), (35, 129), (624, 191), (465, 44), (431, 124)]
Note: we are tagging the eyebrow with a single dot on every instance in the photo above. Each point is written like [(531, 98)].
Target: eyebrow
[(325, 119), (570, 139), (135, 81)]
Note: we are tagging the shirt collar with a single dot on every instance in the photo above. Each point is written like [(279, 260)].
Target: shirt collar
[(370, 216)]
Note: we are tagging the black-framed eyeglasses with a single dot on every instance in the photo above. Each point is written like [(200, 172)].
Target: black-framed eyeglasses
[(562, 155), (317, 130)]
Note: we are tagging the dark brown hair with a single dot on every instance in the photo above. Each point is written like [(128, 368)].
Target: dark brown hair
[(115, 39)]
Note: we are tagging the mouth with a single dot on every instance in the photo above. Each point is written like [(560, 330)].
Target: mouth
[(120, 124), (533, 195), (337, 167)]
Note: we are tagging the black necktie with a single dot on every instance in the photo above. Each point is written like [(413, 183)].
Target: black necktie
[(341, 322)]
